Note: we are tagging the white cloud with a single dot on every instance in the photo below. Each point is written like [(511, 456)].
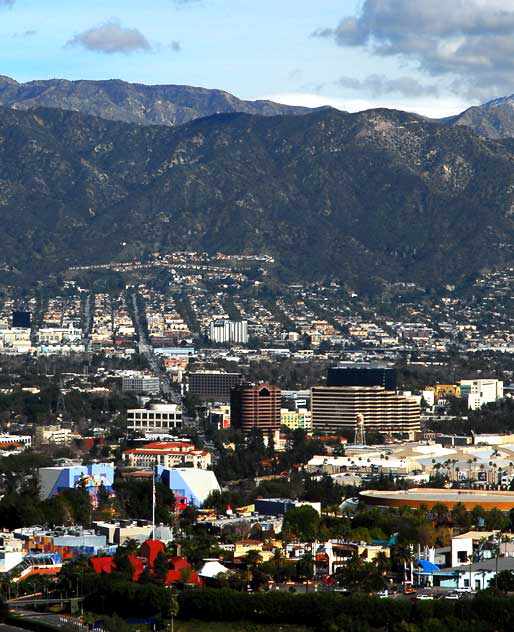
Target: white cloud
[(111, 38), (431, 107)]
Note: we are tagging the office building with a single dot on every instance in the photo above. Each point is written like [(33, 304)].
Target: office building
[(213, 385), (256, 406), (140, 384), (480, 392), (229, 331), (362, 375), (336, 408), (159, 418)]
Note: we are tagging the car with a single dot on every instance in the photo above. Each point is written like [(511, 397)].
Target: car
[(452, 596), (425, 597), (383, 594), (409, 591)]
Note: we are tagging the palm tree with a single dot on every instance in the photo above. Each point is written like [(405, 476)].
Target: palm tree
[(253, 557), (382, 562), (403, 555)]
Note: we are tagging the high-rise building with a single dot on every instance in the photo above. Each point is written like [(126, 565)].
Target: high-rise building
[(256, 406), (362, 375), (213, 385), (336, 408), (229, 331)]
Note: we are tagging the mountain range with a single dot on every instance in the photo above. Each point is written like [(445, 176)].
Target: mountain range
[(132, 102), (173, 105), (373, 197)]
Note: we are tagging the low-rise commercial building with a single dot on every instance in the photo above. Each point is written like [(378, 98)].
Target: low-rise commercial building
[(169, 454)]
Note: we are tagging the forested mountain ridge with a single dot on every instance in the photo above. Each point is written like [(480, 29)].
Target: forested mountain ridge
[(378, 195)]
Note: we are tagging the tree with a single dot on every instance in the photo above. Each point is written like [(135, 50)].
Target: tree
[(303, 522), (161, 566), (461, 516), (504, 581), (253, 558), (382, 562), (174, 609), (305, 568), (496, 520), (441, 513)]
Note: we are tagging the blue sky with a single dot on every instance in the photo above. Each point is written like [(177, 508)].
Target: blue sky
[(429, 56)]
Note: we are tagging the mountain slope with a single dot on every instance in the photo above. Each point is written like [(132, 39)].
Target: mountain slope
[(131, 102), (494, 119), (375, 195)]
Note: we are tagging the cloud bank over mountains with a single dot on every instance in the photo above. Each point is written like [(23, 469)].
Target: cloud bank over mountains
[(468, 42)]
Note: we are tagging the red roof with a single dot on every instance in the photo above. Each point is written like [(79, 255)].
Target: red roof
[(179, 563), (176, 576), (102, 564), (151, 549), (138, 566)]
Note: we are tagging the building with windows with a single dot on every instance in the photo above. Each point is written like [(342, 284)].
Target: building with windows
[(213, 385), (140, 384), (296, 419), (362, 375), (336, 408), (160, 418), (168, 454), (480, 392), (45, 435), (229, 331), (256, 407)]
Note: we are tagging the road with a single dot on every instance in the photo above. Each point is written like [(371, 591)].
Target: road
[(147, 350), (87, 316), (55, 620)]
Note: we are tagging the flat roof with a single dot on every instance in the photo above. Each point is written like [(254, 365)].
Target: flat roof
[(430, 496)]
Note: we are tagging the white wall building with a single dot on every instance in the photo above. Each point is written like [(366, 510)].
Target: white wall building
[(480, 392), (229, 331), (160, 418)]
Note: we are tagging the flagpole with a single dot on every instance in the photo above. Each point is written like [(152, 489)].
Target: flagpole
[(153, 504)]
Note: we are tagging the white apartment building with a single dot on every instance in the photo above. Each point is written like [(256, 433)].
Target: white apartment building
[(229, 331), (160, 418), (480, 392)]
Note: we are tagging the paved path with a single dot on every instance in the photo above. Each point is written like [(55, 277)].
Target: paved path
[(9, 628)]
